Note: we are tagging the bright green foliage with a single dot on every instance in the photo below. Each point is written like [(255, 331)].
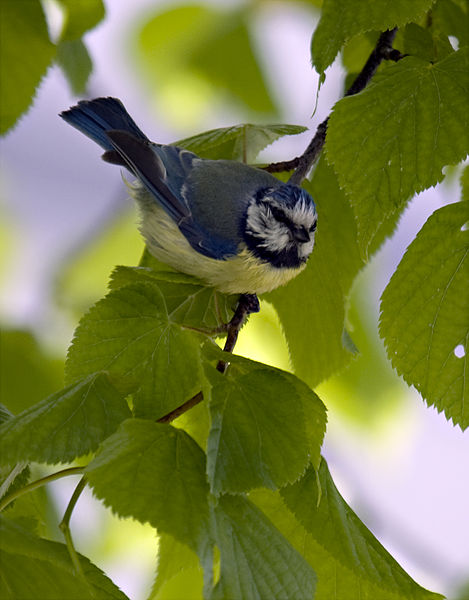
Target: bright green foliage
[(138, 338), (21, 24), (204, 42), (241, 142), (68, 424), (317, 350), (80, 17), (190, 302), (394, 138), (243, 503), (32, 567), (175, 559), (425, 312), (324, 514), (257, 562), (73, 58), (343, 19), (258, 435), (141, 452), (27, 373), (335, 578)]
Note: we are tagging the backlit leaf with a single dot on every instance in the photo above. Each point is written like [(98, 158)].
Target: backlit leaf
[(425, 312), (22, 25), (136, 337), (343, 19), (256, 561), (393, 139), (68, 424), (240, 142), (154, 473)]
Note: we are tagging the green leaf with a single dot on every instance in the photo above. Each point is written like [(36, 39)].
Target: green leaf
[(68, 424), (80, 17), (192, 303), (256, 561), (155, 473), (22, 26), (425, 313), (28, 374), (314, 326), (32, 567), (177, 565), (240, 142), (394, 138), (341, 20), (334, 579), (75, 62), (420, 42), (135, 335), (203, 42), (321, 510), (451, 17), (259, 434)]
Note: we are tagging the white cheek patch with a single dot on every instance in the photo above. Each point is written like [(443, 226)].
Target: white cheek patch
[(304, 250)]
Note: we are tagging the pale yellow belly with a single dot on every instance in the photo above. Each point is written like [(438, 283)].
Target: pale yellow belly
[(242, 273)]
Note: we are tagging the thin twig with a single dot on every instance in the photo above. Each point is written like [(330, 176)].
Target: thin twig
[(247, 304), (64, 526), (302, 164), (177, 412), (38, 483)]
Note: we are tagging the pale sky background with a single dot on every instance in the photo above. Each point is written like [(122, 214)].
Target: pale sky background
[(410, 481)]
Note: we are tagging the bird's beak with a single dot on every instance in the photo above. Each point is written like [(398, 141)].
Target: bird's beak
[(301, 234)]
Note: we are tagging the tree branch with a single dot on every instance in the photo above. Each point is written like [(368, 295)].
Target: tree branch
[(247, 304), (302, 164)]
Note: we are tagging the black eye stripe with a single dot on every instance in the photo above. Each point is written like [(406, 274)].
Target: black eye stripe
[(279, 215)]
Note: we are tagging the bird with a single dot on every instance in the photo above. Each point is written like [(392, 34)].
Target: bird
[(233, 226)]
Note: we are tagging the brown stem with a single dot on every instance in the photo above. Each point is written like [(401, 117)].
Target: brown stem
[(247, 304), (302, 164)]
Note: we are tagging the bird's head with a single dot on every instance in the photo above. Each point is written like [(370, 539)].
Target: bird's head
[(280, 225)]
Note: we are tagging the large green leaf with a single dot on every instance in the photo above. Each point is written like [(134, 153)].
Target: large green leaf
[(256, 561), (335, 579), (201, 41), (32, 567), (154, 473), (240, 142), (394, 138), (312, 306), (425, 312), (191, 303), (265, 427), (136, 336), (68, 424), (25, 54), (343, 19)]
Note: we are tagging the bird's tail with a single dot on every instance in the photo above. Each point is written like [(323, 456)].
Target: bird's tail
[(96, 117)]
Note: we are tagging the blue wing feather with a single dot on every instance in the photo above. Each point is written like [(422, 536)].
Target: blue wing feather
[(206, 198)]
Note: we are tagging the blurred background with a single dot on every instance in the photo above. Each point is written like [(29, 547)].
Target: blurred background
[(65, 221)]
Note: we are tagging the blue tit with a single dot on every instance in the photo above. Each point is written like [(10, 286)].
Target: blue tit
[(233, 226)]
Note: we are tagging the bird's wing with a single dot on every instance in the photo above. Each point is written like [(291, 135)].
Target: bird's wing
[(164, 171)]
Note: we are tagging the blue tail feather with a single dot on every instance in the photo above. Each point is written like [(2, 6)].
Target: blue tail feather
[(95, 117)]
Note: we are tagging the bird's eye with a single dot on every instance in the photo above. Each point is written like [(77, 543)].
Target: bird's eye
[(313, 227)]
